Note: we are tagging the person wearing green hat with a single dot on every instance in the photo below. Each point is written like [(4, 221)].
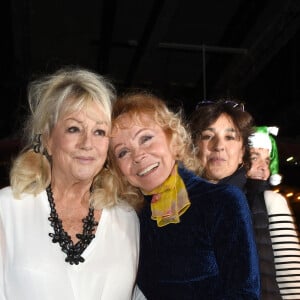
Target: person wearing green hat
[(263, 144), (275, 228)]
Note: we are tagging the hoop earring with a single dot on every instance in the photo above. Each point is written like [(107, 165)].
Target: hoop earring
[(37, 143)]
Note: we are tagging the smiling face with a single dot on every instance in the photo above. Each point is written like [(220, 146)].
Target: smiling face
[(260, 164), (220, 149), (142, 152), (78, 145)]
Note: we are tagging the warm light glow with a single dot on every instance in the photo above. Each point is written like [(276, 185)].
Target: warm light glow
[(289, 195), (298, 198), (277, 190), (290, 158)]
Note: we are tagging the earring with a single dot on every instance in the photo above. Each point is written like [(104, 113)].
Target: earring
[(48, 156), (37, 143)]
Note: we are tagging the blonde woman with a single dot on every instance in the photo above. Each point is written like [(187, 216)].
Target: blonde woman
[(196, 237), (63, 232)]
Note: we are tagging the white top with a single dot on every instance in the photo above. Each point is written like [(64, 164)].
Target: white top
[(34, 268), (286, 245)]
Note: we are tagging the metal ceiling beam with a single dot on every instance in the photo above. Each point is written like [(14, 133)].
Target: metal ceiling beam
[(204, 49), (154, 31), (273, 36)]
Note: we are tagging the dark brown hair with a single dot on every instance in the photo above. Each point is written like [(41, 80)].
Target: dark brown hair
[(207, 112)]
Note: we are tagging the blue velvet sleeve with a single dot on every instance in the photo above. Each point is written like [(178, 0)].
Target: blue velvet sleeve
[(210, 254), (235, 247)]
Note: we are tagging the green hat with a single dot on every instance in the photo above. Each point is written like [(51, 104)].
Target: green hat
[(263, 138)]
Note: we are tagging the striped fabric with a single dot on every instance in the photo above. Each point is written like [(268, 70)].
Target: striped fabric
[(286, 246)]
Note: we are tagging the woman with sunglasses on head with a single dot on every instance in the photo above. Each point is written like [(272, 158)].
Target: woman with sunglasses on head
[(220, 132), (196, 237)]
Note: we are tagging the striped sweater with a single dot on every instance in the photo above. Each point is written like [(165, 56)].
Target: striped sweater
[(285, 243)]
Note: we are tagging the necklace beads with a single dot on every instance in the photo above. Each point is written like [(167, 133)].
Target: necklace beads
[(60, 236)]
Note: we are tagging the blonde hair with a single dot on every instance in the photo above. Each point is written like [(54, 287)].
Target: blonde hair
[(135, 105), (65, 91)]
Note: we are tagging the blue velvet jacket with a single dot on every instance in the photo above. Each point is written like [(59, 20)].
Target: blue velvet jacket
[(210, 254)]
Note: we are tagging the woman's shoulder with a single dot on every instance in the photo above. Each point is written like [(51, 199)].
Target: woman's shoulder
[(6, 194), (124, 217), (6, 201), (275, 202), (201, 188), (7, 198), (225, 195), (274, 195), (6, 191), (123, 210)]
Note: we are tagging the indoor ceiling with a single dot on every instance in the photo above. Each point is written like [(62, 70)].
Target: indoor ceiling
[(198, 49)]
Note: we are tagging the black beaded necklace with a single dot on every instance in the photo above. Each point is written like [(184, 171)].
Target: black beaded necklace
[(60, 236)]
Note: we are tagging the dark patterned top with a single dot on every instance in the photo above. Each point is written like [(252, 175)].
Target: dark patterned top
[(210, 254)]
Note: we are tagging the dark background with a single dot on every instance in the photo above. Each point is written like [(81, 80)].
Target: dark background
[(186, 51)]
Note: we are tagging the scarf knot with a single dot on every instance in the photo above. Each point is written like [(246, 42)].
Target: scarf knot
[(170, 200)]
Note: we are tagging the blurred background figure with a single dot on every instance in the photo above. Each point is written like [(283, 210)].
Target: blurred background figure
[(264, 155), (276, 232)]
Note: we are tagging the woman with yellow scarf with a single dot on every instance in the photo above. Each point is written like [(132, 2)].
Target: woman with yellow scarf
[(196, 237)]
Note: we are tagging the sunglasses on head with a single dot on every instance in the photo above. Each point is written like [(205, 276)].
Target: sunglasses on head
[(231, 103)]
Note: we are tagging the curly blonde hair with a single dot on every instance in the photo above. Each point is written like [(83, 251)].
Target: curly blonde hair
[(65, 91), (134, 105)]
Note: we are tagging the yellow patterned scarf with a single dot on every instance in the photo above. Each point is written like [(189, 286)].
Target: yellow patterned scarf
[(170, 200)]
